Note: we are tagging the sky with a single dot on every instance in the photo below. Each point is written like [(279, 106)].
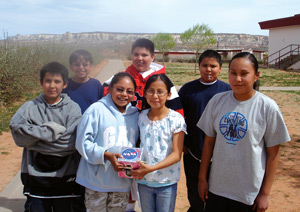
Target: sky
[(26, 17)]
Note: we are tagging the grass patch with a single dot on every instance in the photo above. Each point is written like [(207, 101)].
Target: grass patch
[(181, 73), (293, 92), (274, 77)]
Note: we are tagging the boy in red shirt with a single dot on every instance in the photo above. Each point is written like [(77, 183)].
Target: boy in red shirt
[(142, 67)]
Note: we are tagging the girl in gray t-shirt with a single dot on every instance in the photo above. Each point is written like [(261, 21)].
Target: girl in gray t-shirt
[(244, 130)]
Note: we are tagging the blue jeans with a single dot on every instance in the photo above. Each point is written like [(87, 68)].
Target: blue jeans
[(158, 199)]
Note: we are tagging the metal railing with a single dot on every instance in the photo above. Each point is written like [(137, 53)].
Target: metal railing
[(284, 55)]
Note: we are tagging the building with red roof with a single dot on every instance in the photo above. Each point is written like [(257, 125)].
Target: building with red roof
[(284, 39)]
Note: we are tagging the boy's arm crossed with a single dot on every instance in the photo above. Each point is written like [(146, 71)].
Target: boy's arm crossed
[(68, 137), (65, 142), (27, 133)]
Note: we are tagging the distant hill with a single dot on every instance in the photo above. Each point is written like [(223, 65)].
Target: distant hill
[(224, 40)]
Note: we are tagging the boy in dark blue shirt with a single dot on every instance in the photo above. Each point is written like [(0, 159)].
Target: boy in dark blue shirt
[(194, 97), (81, 88)]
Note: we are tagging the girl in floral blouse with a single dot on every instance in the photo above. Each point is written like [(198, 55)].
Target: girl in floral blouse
[(162, 133)]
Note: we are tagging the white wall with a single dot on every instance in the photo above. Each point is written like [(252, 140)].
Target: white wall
[(281, 37)]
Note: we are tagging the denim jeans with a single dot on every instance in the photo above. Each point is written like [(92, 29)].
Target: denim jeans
[(158, 199)]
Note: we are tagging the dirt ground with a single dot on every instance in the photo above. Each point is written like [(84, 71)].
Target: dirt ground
[(286, 188)]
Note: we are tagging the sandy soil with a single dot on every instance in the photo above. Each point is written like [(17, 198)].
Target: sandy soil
[(286, 188)]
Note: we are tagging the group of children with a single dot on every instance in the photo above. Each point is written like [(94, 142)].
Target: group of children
[(68, 157)]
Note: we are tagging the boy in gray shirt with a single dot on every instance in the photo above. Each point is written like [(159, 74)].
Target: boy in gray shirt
[(45, 127)]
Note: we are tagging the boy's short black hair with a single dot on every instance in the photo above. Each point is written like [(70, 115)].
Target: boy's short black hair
[(211, 54), (54, 68), (81, 53), (143, 42)]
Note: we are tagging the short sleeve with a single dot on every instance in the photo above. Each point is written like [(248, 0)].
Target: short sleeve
[(177, 123), (142, 117), (206, 121), (276, 130)]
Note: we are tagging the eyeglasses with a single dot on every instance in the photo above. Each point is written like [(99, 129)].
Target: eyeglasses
[(158, 93), (121, 90), (79, 64)]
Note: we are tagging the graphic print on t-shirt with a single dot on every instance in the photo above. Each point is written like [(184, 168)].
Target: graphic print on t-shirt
[(233, 126)]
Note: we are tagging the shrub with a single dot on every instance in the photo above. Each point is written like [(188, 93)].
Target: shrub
[(20, 65)]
